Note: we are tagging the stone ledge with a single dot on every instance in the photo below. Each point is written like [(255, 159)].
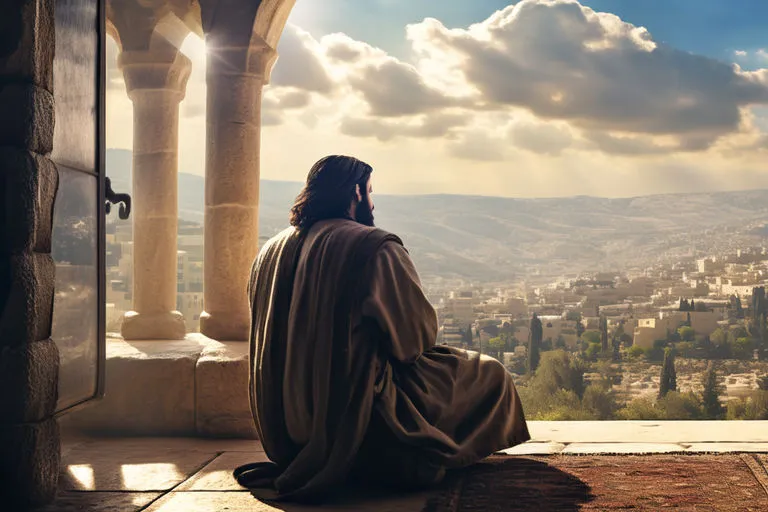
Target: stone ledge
[(163, 387), (199, 387), (643, 431)]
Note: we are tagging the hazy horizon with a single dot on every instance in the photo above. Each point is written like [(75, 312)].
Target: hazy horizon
[(437, 194)]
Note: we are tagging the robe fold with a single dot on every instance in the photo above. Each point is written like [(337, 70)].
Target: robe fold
[(345, 373)]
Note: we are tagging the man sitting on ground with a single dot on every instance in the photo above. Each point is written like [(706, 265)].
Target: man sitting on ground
[(346, 378)]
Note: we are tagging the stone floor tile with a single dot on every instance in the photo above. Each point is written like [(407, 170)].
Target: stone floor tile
[(217, 475), (75, 501), (728, 447), (132, 465), (534, 449), (243, 501), (620, 448), (193, 444)]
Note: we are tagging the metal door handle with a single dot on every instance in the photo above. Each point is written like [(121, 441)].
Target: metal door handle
[(112, 198)]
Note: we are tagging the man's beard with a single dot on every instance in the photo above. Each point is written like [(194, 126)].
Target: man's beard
[(364, 213)]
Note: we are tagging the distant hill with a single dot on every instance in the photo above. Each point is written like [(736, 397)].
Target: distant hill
[(494, 238)]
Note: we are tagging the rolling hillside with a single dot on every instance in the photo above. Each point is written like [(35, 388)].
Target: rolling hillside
[(493, 238)]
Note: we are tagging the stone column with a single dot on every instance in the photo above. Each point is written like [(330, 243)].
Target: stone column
[(235, 77), (156, 83), (29, 359)]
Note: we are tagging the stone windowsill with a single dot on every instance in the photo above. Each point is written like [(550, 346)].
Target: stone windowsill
[(191, 387), (199, 387)]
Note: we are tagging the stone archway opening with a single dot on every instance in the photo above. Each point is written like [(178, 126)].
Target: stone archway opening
[(240, 41)]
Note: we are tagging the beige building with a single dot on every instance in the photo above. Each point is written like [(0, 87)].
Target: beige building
[(461, 307), (556, 326), (649, 330)]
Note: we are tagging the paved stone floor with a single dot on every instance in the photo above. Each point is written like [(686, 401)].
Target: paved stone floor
[(194, 475)]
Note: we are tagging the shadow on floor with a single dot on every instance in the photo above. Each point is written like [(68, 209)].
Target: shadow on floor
[(510, 483), (502, 484)]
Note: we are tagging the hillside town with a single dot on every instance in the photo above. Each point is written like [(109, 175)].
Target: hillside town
[(615, 327), (708, 313)]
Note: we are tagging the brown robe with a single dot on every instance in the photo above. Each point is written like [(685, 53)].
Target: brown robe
[(345, 371)]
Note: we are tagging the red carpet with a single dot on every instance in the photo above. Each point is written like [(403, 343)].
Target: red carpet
[(726, 483)]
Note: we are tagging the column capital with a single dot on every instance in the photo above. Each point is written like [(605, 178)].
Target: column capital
[(255, 59), (155, 71)]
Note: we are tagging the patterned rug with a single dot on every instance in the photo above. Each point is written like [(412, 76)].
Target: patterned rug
[(726, 483)]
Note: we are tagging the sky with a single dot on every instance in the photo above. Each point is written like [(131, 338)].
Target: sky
[(536, 98)]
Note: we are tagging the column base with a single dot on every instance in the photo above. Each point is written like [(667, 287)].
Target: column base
[(224, 327), (153, 326)]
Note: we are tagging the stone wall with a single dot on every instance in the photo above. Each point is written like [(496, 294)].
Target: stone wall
[(29, 360)]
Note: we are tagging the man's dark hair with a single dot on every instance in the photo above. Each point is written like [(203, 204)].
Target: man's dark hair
[(330, 190)]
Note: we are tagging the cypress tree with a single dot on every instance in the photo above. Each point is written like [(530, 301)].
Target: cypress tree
[(739, 308), (467, 337), (604, 334), (668, 375), (710, 398), (534, 344)]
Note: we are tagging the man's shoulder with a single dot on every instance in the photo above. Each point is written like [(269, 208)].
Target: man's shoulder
[(280, 238), (350, 230)]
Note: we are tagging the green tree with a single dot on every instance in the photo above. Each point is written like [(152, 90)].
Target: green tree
[(558, 370), (604, 334), (656, 353), (742, 348), (719, 337), (686, 333), (668, 375), (710, 397), (497, 345), (593, 350), (466, 336), (680, 406), (635, 352), (642, 408), (599, 401), (685, 348), (592, 336), (738, 308), (534, 344)]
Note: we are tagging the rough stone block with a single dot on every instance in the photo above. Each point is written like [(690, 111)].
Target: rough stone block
[(27, 41), (221, 392), (28, 185), (28, 117), (149, 390), (29, 464), (28, 306), (31, 370)]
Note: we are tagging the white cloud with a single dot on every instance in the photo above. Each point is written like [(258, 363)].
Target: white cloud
[(555, 59), (542, 98), (560, 60), (299, 64), (425, 126)]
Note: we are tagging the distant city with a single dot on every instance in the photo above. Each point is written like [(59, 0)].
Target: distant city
[(613, 329), (645, 308)]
